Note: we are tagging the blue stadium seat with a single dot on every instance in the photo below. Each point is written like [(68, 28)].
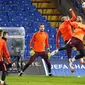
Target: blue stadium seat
[(12, 13), (26, 54), (2, 8), (3, 18), (23, 24), (16, 24), (23, 13), (29, 7), (29, 30), (35, 18), (20, 8), (35, 26), (37, 14), (15, 19), (15, 7), (16, 2), (2, 13), (8, 2), (32, 8), (48, 30), (2, 1), (3, 24), (52, 35), (31, 13), (52, 46), (25, 2), (6, 24), (41, 19), (29, 36), (53, 30), (52, 41), (25, 19), (35, 30), (48, 23), (30, 18), (8, 8)]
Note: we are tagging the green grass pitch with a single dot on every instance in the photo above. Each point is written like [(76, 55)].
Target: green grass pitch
[(44, 80)]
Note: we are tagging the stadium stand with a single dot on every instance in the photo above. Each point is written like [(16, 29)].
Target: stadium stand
[(22, 13), (28, 14)]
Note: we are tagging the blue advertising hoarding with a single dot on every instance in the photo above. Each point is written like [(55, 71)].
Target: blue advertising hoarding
[(60, 67)]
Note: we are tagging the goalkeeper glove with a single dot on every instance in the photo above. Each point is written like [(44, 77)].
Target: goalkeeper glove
[(32, 52), (49, 55), (48, 52)]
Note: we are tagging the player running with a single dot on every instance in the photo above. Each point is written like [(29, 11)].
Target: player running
[(37, 48)]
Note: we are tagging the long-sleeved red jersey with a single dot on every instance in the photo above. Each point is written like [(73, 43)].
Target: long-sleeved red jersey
[(39, 41), (65, 29), (4, 51)]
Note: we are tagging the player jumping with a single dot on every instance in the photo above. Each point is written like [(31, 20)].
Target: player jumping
[(76, 40), (65, 30)]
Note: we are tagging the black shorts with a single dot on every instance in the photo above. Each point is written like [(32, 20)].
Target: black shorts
[(69, 50), (75, 42), (2, 66), (42, 54), (37, 54)]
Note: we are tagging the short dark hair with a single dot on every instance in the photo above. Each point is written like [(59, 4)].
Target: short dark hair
[(1, 32), (40, 24), (4, 33)]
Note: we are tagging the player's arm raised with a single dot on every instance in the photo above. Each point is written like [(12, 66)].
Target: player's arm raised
[(73, 15)]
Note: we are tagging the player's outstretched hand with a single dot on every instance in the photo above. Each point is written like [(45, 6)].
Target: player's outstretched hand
[(49, 55), (32, 52), (48, 52), (70, 9)]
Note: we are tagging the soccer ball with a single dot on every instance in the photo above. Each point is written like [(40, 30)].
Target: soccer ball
[(83, 5)]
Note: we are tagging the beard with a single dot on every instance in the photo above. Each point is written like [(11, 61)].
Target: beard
[(41, 30)]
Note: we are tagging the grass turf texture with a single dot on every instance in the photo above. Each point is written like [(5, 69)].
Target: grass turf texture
[(44, 80)]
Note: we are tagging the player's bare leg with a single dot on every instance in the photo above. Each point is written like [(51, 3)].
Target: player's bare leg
[(71, 64), (3, 77), (45, 57), (32, 58)]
